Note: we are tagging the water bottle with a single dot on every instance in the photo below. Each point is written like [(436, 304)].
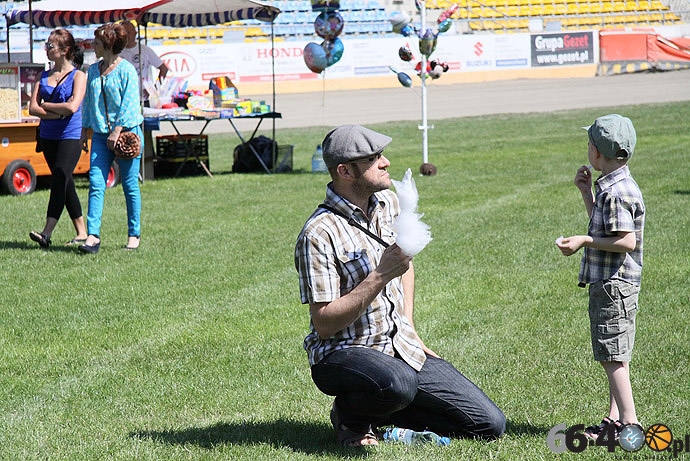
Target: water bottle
[(410, 437), (317, 163)]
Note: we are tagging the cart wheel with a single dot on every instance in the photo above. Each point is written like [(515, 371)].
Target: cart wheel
[(19, 178), (113, 176)]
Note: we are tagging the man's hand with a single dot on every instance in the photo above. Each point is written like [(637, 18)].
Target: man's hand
[(394, 263)]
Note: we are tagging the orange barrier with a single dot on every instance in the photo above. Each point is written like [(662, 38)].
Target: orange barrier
[(639, 50)]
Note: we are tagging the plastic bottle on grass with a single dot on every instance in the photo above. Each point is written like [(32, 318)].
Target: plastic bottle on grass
[(317, 163), (410, 437)]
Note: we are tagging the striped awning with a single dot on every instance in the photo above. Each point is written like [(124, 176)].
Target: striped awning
[(171, 13)]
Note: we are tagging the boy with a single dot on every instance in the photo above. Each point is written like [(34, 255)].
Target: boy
[(612, 260)]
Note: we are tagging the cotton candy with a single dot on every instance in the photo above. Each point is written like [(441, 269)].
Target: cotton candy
[(413, 234)]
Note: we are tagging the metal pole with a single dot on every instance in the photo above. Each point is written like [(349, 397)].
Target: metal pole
[(424, 126), (31, 33), (274, 144)]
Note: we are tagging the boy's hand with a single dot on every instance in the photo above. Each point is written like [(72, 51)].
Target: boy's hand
[(583, 179), (571, 245)]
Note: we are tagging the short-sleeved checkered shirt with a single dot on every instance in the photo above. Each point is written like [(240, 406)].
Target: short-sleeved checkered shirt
[(332, 258), (618, 207)]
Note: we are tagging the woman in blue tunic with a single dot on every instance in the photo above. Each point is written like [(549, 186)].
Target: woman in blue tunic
[(114, 81), (56, 100)]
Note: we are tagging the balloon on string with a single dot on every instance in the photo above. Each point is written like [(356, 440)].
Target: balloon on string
[(334, 50), (404, 79), (418, 67), (405, 53), (435, 72), (427, 43), (407, 30), (442, 64), (444, 25), (315, 57), (399, 20), (328, 24)]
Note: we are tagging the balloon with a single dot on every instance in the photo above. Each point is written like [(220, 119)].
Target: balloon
[(405, 53), (328, 25), (443, 26), (325, 5), (441, 64), (407, 30), (418, 67), (404, 79), (399, 20), (315, 57), (334, 50), (435, 72), (427, 43), (448, 13)]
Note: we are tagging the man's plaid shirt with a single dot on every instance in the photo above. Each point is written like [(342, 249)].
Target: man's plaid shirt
[(332, 258)]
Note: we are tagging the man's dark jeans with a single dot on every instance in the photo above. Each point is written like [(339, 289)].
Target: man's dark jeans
[(373, 388)]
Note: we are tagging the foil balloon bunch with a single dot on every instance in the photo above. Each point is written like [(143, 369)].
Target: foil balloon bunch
[(402, 24), (327, 25)]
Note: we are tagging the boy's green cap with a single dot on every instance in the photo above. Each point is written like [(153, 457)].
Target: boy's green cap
[(613, 135)]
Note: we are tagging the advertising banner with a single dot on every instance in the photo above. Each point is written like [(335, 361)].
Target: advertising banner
[(255, 62), (562, 49)]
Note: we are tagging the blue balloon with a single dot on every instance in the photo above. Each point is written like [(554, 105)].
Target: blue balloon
[(407, 30), (334, 50), (404, 79), (444, 25), (315, 57)]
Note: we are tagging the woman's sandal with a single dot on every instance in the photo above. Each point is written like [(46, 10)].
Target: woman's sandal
[(592, 432), (40, 238), (349, 438)]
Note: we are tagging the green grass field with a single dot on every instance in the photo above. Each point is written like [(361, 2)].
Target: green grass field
[(191, 347)]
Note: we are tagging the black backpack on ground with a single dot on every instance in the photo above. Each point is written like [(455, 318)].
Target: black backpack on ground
[(246, 162)]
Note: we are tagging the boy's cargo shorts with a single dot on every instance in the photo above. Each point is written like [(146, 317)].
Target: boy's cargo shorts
[(612, 310)]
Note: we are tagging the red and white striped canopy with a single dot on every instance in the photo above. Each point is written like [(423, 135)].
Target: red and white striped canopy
[(171, 13)]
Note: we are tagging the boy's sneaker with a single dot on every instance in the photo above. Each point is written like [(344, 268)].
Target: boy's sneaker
[(592, 432)]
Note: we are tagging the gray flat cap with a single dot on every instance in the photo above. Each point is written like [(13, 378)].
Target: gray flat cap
[(613, 135), (351, 142)]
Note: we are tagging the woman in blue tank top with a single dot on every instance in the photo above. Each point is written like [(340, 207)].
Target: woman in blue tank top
[(56, 100)]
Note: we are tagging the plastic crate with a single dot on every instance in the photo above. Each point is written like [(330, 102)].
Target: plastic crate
[(182, 145), (283, 160), (177, 166), (179, 155)]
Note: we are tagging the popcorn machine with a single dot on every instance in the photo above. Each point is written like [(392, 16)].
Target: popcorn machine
[(16, 83)]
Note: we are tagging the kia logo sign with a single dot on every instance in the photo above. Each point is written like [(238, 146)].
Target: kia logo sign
[(180, 64)]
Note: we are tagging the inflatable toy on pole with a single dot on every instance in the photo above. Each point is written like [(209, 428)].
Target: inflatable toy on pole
[(402, 24), (327, 25)]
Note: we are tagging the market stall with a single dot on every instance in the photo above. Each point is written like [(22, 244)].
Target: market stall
[(170, 13)]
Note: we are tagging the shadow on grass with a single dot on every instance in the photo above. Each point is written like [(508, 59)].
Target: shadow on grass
[(682, 192), (308, 438), (515, 428), (31, 245)]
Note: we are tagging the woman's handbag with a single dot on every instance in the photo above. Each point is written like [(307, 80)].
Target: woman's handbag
[(39, 147), (128, 144)]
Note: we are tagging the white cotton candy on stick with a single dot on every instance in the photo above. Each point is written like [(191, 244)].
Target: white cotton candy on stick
[(413, 234)]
